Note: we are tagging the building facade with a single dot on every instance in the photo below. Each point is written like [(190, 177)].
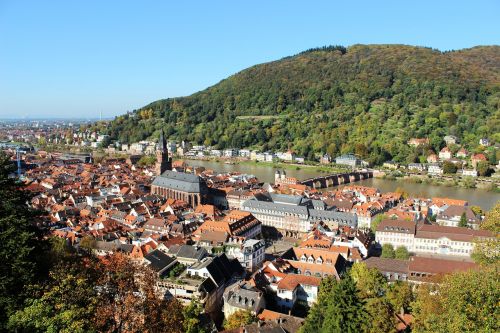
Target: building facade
[(429, 239), (293, 215), (187, 187)]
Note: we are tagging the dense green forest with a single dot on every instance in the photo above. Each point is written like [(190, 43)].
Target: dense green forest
[(364, 99)]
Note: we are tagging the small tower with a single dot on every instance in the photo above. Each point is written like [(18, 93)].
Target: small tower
[(283, 174), (163, 161), (277, 176)]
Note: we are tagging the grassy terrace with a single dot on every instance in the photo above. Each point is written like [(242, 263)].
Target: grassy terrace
[(259, 117)]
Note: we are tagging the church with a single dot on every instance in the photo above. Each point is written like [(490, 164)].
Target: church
[(176, 185)]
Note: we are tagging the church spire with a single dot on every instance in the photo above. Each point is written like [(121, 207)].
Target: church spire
[(162, 143), (163, 160)]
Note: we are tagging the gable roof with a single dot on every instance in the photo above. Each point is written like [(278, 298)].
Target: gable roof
[(158, 260), (438, 266), (398, 226), (291, 281), (181, 181), (191, 252), (387, 264), (453, 233)]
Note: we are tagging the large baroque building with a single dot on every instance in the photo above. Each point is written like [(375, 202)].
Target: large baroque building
[(294, 215), (429, 239)]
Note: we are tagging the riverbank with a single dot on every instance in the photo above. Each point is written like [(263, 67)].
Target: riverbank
[(265, 172), (490, 184), (450, 181), (275, 165), (295, 166)]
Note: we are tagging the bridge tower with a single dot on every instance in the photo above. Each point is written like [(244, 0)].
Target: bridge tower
[(277, 176)]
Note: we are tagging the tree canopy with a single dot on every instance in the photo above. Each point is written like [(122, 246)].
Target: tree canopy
[(20, 245), (402, 253), (462, 302), (388, 251), (364, 99), (239, 319)]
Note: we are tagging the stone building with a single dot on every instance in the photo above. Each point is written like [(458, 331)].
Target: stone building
[(180, 186), (189, 188), (163, 160)]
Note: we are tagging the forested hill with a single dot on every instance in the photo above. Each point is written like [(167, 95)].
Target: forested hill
[(365, 99)]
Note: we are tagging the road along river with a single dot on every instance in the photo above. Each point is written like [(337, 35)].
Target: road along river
[(483, 198)]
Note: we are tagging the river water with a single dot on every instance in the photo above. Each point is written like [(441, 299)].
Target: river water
[(479, 197)]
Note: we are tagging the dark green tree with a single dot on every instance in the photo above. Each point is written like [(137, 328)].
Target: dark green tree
[(339, 309), (483, 168), (402, 253), (193, 322), (449, 167), (19, 243), (463, 221), (346, 311), (388, 251)]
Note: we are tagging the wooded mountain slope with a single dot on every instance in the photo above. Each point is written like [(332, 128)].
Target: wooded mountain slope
[(365, 99)]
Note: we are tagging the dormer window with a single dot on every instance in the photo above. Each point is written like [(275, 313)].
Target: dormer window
[(303, 258)]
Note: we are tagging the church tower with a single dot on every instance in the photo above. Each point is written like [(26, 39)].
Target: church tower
[(163, 161)]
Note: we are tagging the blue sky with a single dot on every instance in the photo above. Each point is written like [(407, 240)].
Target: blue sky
[(77, 58)]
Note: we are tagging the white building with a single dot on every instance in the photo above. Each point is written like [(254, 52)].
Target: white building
[(429, 239), (269, 157), (288, 156), (215, 152), (231, 152), (295, 288), (470, 172), (445, 153), (250, 254), (452, 215), (434, 169), (416, 166), (244, 153), (484, 142)]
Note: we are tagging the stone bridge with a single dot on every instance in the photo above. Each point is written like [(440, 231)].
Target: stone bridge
[(337, 179)]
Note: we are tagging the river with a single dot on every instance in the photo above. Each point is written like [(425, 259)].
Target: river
[(479, 197)]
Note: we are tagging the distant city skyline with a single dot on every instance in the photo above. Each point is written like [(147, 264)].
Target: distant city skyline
[(62, 59)]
